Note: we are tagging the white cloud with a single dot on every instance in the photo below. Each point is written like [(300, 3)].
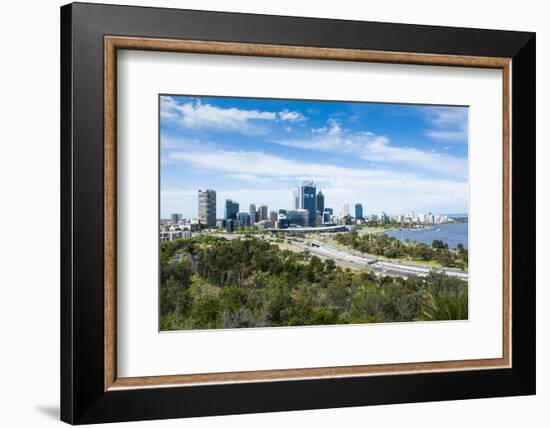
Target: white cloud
[(291, 116), (196, 115), (269, 179), (447, 124), (447, 136), (377, 148)]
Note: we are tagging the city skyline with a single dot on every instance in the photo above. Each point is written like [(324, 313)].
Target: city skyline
[(391, 158), (232, 209)]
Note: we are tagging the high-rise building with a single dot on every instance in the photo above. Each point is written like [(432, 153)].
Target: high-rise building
[(308, 200), (295, 203), (175, 218), (358, 211), (231, 225), (320, 202), (345, 210), (383, 217), (273, 217), (252, 213), (231, 209), (327, 215), (207, 207), (263, 213), (297, 217), (244, 218)]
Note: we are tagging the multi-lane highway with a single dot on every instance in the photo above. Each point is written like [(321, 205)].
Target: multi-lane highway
[(386, 267), (348, 257)]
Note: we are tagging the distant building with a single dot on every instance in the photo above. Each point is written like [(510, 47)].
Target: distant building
[(320, 202), (358, 211), (252, 213), (308, 200), (273, 217), (345, 210), (171, 235), (263, 213), (318, 219), (297, 217), (244, 218), (176, 218), (295, 203), (327, 214), (383, 217), (231, 225), (263, 224), (207, 207), (282, 223), (231, 209)]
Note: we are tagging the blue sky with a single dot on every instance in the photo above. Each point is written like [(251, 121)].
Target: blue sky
[(389, 157)]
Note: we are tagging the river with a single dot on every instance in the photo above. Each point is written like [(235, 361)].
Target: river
[(452, 234)]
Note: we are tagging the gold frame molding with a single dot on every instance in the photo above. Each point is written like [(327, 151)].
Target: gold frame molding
[(113, 43)]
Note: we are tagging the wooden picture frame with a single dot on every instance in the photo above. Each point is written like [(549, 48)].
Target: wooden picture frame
[(91, 390)]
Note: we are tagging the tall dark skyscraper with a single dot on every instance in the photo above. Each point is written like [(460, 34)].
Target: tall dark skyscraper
[(207, 207), (231, 209), (320, 202), (263, 213), (358, 211), (252, 213), (309, 201)]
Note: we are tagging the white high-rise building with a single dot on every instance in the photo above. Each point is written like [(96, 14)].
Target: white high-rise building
[(207, 207), (295, 205), (345, 210)]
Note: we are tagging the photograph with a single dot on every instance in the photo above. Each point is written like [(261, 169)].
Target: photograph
[(277, 212), (262, 212)]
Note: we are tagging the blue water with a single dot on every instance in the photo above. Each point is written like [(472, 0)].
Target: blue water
[(451, 234)]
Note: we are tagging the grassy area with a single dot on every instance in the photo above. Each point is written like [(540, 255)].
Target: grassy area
[(375, 230), (431, 263)]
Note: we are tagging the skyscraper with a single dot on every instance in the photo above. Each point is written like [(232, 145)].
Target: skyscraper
[(295, 205), (231, 209), (320, 201), (244, 218), (358, 211), (297, 217), (308, 200), (262, 213), (207, 207), (273, 217), (252, 212), (345, 210), (175, 218)]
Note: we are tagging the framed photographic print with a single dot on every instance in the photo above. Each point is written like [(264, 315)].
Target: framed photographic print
[(266, 213)]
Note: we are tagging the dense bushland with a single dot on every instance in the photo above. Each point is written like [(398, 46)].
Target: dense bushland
[(209, 282)]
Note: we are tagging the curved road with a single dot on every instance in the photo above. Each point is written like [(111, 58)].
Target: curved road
[(378, 265), (355, 259)]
